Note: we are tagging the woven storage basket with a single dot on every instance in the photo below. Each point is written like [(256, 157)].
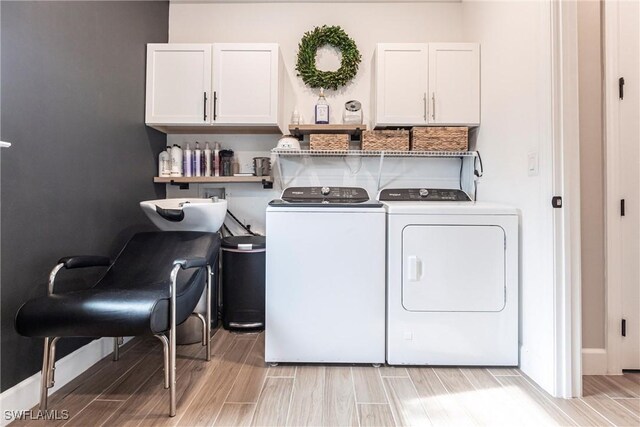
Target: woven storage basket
[(380, 140), (329, 141), (440, 139)]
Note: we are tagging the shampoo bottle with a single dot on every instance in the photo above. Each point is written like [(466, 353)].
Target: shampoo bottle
[(164, 168), (216, 159), (176, 160), (197, 160), (207, 160), (188, 161)]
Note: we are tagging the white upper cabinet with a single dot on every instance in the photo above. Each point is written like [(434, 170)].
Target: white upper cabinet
[(418, 84), (178, 83), (401, 84), (218, 87), (245, 83), (454, 83)]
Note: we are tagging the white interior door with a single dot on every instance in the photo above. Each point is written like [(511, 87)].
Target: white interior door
[(451, 268), (245, 83), (454, 83), (401, 84), (178, 83), (629, 133)]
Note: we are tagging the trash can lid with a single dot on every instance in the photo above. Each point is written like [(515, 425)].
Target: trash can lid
[(246, 243)]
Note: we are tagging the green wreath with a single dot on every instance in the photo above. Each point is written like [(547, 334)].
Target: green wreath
[(308, 48)]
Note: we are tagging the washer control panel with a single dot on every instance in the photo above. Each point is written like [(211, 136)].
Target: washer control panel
[(325, 195), (423, 194)]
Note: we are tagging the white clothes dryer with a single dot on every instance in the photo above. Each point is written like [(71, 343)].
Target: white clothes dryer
[(452, 279)]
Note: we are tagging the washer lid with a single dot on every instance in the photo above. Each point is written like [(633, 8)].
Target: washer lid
[(423, 195), (325, 195)]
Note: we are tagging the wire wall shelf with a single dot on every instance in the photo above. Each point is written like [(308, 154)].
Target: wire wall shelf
[(370, 153)]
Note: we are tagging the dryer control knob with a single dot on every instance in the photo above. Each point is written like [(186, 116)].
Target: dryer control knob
[(325, 191), (423, 192)]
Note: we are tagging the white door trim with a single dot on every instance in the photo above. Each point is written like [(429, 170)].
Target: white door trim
[(613, 231), (566, 183)]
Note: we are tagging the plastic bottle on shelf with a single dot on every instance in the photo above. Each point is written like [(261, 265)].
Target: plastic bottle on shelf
[(188, 161), (206, 160), (295, 117), (216, 159), (176, 161), (164, 163), (197, 160)]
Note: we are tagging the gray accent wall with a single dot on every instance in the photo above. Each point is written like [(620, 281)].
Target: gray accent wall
[(72, 95)]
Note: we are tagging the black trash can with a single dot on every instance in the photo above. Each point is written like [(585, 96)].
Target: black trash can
[(243, 282)]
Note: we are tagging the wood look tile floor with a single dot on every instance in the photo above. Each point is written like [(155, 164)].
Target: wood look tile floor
[(236, 388)]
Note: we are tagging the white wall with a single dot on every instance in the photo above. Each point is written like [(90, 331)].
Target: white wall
[(516, 112), (516, 121), (285, 23)]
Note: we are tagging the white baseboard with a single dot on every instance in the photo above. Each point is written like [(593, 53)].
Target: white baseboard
[(594, 361), (26, 394)]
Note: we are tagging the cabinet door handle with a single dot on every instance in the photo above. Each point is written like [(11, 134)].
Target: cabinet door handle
[(424, 101), (433, 106), (205, 106), (215, 105)]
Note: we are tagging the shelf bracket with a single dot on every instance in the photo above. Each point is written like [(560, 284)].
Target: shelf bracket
[(181, 185), (380, 170), (267, 184), (356, 135), (297, 134)]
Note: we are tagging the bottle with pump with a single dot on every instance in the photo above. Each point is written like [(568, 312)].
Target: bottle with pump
[(188, 161), (197, 160), (206, 160), (322, 109), (164, 163), (176, 160)]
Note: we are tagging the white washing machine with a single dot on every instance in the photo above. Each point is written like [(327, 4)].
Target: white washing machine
[(325, 288), (452, 279)]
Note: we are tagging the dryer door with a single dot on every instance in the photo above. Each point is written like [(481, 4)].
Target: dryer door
[(453, 268)]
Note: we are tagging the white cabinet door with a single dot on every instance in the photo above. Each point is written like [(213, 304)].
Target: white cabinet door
[(454, 83), (401, 84), (178, 83), (245, 83)]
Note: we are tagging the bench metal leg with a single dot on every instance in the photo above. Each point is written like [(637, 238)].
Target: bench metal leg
[(165, 352), (172, 342), (203, 321), (208, 322), (45, 376), (51, 369), (116, 349), (172, 333), (48, 367)]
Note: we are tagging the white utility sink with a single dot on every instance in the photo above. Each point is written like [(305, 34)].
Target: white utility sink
[(186, 214)]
